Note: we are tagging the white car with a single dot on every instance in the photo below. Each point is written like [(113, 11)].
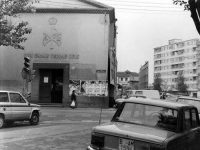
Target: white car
[(14, 107), (152, 94)]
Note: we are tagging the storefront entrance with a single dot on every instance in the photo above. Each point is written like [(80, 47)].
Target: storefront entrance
[(51, 85)]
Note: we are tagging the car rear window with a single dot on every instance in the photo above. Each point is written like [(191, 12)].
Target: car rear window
[(149, 115), (4, 97)]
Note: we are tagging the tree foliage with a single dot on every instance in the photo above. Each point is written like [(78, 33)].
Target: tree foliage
[(194, 7), (14, 34), (157, 83), (183, 3), (181, 86)]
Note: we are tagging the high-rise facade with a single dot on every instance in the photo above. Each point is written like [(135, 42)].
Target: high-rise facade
[(177, 57), (144, 76)]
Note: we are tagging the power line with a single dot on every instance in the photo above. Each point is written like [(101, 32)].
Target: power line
[(111, 4), (142, 7), (136, 2), (60, 4), (149, 9), (150, 12), (145, 6)]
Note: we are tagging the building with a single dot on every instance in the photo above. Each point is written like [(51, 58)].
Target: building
[(144, 76), (127, 80), (72, 47), (178, 56)]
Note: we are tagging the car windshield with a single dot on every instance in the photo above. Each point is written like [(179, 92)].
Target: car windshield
[(148, 115), (191, 102)]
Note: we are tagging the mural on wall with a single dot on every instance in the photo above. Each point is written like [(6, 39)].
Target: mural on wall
[(89, 87), (52, 38), (74, 85)]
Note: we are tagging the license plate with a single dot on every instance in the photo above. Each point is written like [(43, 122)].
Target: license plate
[(125, 144)]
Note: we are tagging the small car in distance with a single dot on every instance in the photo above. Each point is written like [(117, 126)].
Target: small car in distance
[(146, 124), (154, 94), (119, 101), (14, 107)]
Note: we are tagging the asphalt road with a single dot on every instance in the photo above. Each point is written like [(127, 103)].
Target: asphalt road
[(59, 129)]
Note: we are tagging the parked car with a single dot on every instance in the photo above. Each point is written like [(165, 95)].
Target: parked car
[(14, 107), (171, 97), (154, 94), (147, 93), (190, 100), (146, 124), (119, 101)]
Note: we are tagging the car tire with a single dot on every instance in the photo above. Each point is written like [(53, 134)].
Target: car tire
[(34, 119), (2, 121)]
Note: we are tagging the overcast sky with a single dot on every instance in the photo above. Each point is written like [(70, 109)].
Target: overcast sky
[(144, 25)]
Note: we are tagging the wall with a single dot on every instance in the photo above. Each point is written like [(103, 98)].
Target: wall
[(11, 62), (80, 40), (77, 38)]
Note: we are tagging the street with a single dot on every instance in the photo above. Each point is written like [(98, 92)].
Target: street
[(59, 129)]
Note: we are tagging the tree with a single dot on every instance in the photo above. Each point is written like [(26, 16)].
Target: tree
[(181, 86), (14, 34), (157, 82), (194, 7)]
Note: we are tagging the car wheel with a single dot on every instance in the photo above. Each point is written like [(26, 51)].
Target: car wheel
[(2, 121), (34, 119)]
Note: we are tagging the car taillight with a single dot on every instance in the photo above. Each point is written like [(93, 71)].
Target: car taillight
[(97, 140)]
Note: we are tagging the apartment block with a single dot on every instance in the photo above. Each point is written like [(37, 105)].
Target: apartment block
[(178, 56)]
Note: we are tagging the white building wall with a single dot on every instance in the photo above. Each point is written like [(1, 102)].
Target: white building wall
[(177, 56)]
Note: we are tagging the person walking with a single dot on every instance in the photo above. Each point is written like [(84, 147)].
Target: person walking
[(73, 100)]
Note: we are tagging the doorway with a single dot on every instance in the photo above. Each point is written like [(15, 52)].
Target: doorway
[(51, 85)]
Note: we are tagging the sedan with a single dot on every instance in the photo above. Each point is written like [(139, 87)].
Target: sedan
[(146, 124)]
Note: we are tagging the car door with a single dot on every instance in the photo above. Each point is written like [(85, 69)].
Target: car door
[(191, 129), (195, 128), (5, 105), (20, 107)]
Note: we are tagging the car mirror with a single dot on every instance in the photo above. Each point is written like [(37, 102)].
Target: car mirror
[(29, 104)]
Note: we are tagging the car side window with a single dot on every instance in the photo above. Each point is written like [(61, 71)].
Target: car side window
[(194, 118), (16, 98), (4, 97), (187, 120)]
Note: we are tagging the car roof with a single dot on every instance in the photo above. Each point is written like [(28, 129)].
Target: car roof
[(155, 102), (189, 98)]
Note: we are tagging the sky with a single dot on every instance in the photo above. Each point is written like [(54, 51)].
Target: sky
[(143, 25)]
